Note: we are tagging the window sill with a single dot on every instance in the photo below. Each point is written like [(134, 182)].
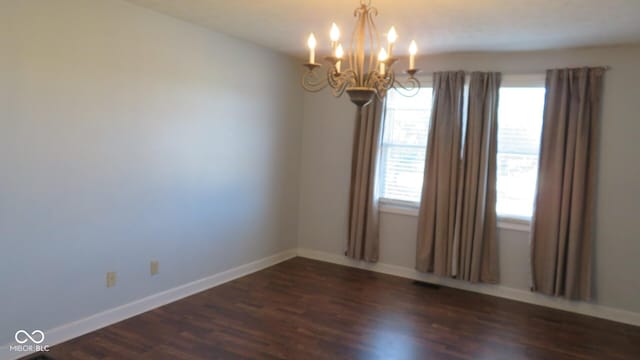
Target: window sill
[(517, 224), (399, 207), (407, 208)]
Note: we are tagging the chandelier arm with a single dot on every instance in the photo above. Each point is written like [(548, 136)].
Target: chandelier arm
[(352, 50), (311, 82), (334, 79), (350, 77), (374, 38), (339, 82), (374, 79), (368, 80), (361, 44), (382, 84), (350, 81), (411, 88), (339, 90), (387, 82)]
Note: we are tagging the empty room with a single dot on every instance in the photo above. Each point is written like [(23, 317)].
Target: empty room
[(320, 179)]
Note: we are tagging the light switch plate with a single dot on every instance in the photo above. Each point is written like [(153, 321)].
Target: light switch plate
[(154, 267)]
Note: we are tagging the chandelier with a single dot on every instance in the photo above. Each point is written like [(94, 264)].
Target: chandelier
[(364, 76)]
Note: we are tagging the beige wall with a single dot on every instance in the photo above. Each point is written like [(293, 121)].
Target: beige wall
[(326, 147), (126, 136)]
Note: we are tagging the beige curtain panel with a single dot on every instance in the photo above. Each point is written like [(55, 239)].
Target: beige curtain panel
[(436, 221), (363, 242), (563, 219), (475, 253)]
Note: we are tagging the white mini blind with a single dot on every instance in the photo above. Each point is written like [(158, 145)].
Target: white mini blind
[(404, 144), (520, 113)]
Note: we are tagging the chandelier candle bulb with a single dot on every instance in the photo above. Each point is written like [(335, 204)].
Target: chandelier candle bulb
[(382, 57), (339, 55), (334, 34), (413, 50), (312, 48), (392, 36)]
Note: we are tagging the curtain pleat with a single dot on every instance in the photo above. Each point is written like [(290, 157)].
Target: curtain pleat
[(562, 233), (363, 238), (436, 221), (475, 254), (457, 219)]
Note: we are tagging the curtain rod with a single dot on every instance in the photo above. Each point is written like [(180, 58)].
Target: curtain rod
[(523, 72), (423, 74)]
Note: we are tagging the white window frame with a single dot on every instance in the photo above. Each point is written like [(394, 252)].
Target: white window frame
[(403, 207), (410, 208), (519, 80)]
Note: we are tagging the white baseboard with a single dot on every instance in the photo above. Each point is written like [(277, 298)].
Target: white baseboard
[(83, 326), (579, 307)]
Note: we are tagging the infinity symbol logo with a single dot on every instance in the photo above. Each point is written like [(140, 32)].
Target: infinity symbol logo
[(22, 339)]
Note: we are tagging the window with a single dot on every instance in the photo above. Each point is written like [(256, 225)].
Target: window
[(403, 146), (520, 114)]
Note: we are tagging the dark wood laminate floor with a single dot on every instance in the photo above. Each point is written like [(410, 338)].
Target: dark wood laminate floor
[(305, 309)]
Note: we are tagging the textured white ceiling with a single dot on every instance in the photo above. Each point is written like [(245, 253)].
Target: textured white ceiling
[(437, 25)]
